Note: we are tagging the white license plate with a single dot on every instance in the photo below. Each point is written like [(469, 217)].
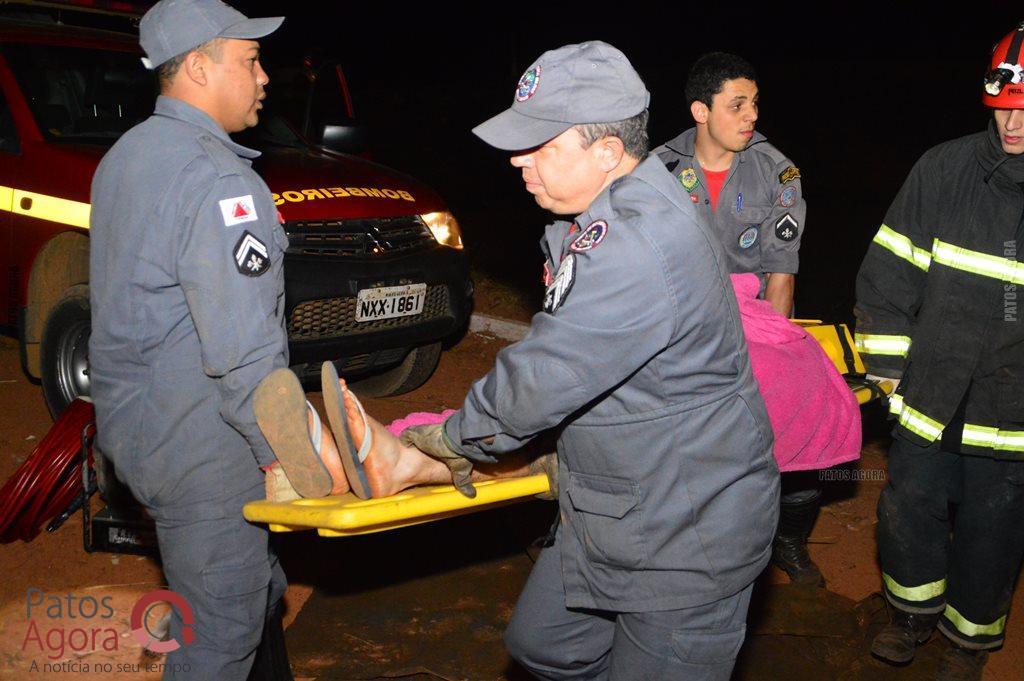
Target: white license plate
[(390, 301)]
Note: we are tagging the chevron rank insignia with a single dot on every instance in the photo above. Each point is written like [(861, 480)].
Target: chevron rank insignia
[(556, 292), (251, 256), (786, 228)]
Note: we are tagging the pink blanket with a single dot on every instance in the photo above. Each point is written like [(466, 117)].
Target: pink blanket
[(814, 414), (417, 418)]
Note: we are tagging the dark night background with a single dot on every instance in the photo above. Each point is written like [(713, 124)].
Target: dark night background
[(852, 97)]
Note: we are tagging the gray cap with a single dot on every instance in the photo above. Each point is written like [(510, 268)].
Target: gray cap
[(173, 27), (592, 82)]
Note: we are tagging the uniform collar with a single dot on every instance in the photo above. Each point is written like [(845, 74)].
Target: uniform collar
[(683, 144), (183, 111), (651, 171)]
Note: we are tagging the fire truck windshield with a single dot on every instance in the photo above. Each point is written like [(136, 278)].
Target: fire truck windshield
[(82, 94), (93, 96)]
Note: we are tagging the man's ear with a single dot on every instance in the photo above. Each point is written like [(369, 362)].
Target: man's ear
[(699, 110), (610, 152), (194, 67)]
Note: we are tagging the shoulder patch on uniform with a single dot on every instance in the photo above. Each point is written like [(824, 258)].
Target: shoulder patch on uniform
[(237, 210), (688, 178), (591, 237), (788, 197), (251, 256), (786, 228), (560, 287), (789, 174)]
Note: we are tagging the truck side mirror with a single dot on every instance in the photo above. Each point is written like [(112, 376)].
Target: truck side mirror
[(347, 137)]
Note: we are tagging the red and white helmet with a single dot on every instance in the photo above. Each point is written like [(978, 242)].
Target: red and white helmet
[(1004, 83)]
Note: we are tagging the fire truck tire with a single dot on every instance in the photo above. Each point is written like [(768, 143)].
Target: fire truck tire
[(413, 372), (64, 351)]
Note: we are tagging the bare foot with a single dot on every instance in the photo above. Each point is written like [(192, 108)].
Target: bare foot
[(390, 466)]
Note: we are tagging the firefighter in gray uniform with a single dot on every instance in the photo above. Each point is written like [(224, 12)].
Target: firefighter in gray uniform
[(187, 298), (750, 194), (668, 490)]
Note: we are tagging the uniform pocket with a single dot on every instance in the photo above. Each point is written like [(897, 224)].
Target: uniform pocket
[(236, 580), (754, 215), (236, 601), (708, 647), (611, 524)]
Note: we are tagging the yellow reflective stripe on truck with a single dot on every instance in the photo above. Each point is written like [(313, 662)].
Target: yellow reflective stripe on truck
[(879, 344), (1003, 269), (902, 246), (45, 207)]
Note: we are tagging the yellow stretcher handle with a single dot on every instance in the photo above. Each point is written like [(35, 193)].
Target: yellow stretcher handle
[(346, 515)]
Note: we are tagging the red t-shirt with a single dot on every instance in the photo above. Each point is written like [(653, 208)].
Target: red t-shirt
[(716, 178)]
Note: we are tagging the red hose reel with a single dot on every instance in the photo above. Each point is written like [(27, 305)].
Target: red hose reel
[(50, 479)]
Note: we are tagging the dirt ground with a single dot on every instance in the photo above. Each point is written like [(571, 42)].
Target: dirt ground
[(53, 566)]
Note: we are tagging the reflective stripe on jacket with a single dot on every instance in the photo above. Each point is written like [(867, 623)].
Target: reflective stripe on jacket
[(936, 298)]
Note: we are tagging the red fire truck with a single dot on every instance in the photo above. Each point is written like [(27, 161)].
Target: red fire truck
[(359, 232)]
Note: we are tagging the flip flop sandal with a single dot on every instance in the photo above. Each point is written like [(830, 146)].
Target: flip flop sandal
[(281, 410), (351, 458)]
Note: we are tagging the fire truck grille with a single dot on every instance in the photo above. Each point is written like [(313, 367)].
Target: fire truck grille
[(335, 317), (359, 238)]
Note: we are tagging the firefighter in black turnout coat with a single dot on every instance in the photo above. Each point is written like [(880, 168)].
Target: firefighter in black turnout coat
[(936, 309)]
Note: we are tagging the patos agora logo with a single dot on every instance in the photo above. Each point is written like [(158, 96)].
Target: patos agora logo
[(140, 629)]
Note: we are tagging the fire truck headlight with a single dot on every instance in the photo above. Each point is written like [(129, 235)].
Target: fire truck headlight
[(445, 228)]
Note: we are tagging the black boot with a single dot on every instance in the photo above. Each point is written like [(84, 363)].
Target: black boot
[(789, 548), (271, 663), (900, 638), (961, 664)]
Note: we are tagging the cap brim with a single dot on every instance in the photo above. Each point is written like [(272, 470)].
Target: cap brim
[(512, 131), (251, 29)]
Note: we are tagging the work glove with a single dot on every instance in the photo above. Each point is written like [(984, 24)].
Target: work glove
[(432, 441)]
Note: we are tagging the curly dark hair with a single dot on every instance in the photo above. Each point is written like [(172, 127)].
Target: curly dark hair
[(709, 73)]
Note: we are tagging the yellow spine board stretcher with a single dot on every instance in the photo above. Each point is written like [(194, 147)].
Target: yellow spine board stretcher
[(346, 515)]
